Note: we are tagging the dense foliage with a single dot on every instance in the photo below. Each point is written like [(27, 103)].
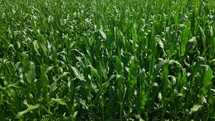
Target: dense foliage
[(107, 60)]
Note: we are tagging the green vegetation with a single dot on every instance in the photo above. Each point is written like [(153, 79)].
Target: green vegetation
[(107, 60)]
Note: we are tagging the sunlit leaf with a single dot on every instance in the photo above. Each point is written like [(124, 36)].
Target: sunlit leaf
[(59, 101), (195, 108), (103, 34), (77, 73), (30, 108)]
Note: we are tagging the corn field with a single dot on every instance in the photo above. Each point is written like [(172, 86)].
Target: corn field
[(107, 60)]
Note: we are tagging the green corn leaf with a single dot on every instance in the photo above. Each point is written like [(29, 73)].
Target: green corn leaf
[(53, 86), (195, 108), (30, 108), (31, 74), (93, 70), (49, 68), (16, 66), (184, 41), (203, 36), (133, 72), (119, 65), (103, 34), (143, 99), (36, 47), (77, 73), (159, 41), (59, 101), (208, 76), (43, 77), (62, 75), (165, 73), (44, 49)]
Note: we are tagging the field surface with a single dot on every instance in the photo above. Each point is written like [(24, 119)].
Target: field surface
[(107, 60)]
